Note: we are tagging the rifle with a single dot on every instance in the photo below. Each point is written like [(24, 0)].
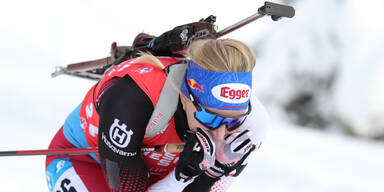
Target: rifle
[(204, 28)]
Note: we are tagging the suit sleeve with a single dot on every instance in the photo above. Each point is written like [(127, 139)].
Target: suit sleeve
[(124, 111)]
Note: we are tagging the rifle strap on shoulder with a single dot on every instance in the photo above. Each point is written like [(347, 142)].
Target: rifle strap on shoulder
[(169, 97)]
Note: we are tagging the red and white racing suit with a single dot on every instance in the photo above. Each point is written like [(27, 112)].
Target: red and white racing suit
[(113, 116)]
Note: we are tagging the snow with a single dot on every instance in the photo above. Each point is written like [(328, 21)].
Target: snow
[(37, 36), (296, 159), (323, 35), (291, 159)]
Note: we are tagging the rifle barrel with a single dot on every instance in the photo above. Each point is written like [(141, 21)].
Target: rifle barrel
[(239, 24)]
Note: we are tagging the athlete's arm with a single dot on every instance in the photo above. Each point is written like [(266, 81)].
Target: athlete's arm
[(124, 112)]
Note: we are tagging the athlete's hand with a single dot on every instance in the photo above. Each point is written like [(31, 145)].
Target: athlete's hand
[(231, 153), (198, 155)]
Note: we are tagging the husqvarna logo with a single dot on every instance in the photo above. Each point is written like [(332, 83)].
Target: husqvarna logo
[(119, 134)]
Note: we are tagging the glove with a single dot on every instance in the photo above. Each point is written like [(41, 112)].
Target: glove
[(197, 157), (231, 153), (172, 41)]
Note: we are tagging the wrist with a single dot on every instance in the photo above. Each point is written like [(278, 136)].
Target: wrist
[(184, 173), (216, 171), (168, 182), (206, 179), (180, 177)]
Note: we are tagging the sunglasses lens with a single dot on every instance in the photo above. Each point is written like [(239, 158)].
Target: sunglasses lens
[(233, 124), (211, 121)]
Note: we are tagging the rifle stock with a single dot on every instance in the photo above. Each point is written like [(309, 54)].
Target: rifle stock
[(89, 65)]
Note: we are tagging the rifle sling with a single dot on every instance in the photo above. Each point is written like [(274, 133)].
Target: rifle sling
[(169, 97)]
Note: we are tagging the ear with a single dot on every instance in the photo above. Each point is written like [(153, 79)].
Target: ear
[(183, 100)]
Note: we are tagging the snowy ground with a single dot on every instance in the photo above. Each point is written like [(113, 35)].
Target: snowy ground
[(301, 160), (291, 160)]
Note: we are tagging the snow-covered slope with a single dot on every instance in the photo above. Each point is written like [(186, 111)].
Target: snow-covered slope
[(326, 35), (292, 159)]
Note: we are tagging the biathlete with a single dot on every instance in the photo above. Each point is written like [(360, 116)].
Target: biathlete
[(216, 115)]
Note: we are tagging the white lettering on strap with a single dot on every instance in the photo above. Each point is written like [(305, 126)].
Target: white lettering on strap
[(166, 159), (155, 156)]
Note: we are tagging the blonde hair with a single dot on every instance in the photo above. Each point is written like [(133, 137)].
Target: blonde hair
[(222, 55), (149, 58)]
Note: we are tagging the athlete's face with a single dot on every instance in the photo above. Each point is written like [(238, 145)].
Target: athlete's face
[(219, 133)]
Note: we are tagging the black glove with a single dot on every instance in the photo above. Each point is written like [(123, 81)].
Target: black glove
[(198, 155), (231, 153), (172, 41)]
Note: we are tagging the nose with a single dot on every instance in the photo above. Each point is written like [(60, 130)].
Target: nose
[(218, 134)]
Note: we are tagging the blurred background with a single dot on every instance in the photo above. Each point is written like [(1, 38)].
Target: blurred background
[(320, 75)]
